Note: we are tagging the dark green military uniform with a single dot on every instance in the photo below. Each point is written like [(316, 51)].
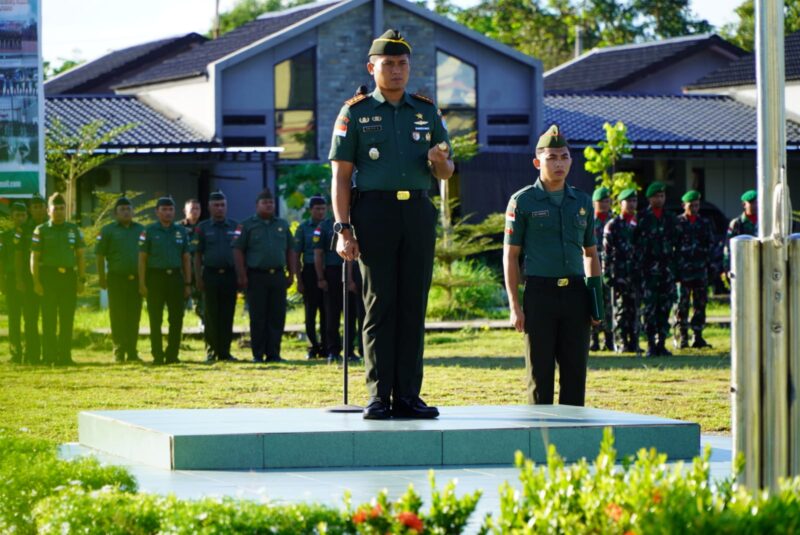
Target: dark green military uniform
[(264, 243), (58, 247), (306, 237), (395, 225), (8, 246), (215, 247), (118, 244), (694, 243), (196, 298), (165, 247), (620, 268), (743, 225), (600, 220), (334, 296), (552, 231)]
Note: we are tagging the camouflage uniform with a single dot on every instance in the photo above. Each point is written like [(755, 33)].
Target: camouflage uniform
[(620, 271), (654, 241), (605, 325), (740, 226), (694, 246)]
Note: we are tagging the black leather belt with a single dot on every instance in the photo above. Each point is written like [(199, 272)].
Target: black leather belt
[(556, 282), (220, 270), (401, 195)]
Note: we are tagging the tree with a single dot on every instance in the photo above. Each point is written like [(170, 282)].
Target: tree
[(248, 10), (669, 18), (49, 70), (743, 32), (604, 162), (70, 156)]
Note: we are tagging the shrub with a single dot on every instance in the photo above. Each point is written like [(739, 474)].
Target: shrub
[(475, 288)]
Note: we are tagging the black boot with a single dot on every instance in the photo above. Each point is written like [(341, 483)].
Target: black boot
[(682, 342), (663, 351), (609, 341), (699, 342), (595, 342), (652, 348)]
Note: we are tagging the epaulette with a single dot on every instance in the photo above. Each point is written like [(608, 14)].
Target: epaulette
[(517, 194), (423, 98), (355, 100)]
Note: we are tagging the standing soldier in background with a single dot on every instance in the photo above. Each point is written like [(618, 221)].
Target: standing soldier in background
[(694, 242), (59, 274), (398, 142), (8, 279), (31, 302), (654, 240), (165, 278), (191, 212), (216, 277), (306, 237), (262, 250), (746, 224), (117, 244), (621, 270), (601, 200)]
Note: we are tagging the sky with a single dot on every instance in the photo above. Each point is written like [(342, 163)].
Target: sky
[(87, 29)]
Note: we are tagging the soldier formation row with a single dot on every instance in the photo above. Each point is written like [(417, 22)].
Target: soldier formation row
[(170, 264)]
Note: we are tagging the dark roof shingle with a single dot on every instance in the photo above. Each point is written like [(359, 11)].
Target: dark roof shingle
[(195, 61), (120, 63), (152, 129), (658, 119), (611, 68), (743, 70)]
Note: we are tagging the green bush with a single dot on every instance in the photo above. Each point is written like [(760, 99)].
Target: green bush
[(476, 294)]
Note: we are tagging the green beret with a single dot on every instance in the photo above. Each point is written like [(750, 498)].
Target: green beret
[(316, 200), (749, 195), (627, 194), (655, 187), (217, 196), (691, 195), (165, 201), (552, 139), (122, 201), (601, 193), (37, 198), (391, 43), (56, 199), (265, 194), (18, 207)]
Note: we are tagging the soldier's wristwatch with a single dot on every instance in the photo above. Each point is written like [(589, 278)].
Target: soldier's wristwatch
[(338, 227)]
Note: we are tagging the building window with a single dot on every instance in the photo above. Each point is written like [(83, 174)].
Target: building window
[(456, 93), (295, 80)]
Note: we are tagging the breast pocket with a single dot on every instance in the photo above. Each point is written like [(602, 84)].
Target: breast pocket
[(579, 225), (542, 223)]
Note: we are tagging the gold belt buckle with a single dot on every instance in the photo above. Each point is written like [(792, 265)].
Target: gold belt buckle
[(563, 282), (272, 271), (131, 277), (62, 270), (403, 195), (221, 271), (169, 272)]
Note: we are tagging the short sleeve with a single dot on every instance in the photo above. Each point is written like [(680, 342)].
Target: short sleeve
[(201, 239), (289, 238), (240, 237), (144, 243), (344, 142), (515, 225), (187, 246), (297, 243), (440, 132), (319, 238), (36, 241), (101, 245), (589, 238)]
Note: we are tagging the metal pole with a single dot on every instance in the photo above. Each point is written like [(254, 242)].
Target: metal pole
[(794, 352), (345, 406), (746, 357), (771, 159)]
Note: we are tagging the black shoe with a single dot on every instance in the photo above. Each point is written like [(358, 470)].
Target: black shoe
[(229, 358), (353, 359), (158, 361), (663, 351), (631, 348), (172, 360), (699, 342), (66, 362), (257, 360), (413, 408), (652, 351), (333, 358), (311, 354), (377, 409), (276, 358), (595, 346), (210, 359), (119, 359), (609, 346), (135, 359)]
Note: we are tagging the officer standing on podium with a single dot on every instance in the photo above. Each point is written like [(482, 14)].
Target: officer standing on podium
[(397, 141)]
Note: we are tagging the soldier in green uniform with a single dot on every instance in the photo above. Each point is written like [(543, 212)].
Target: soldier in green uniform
[(58, 273), (746, 224), (117, 245), (165, 278), (552, 225), (8, 280), (31, 302), (262, 251), (397, 141), (621, 272), (216, 277), (306, 237), (694, 242), (654, 240), (601, 199), (191, 212)]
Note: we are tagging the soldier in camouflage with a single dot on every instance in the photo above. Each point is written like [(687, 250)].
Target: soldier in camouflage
[(620, 269), (746, 224), (601, 200), (694, 245), (654, 240)]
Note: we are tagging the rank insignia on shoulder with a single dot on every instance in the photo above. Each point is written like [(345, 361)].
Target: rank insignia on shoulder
[(423, 98), (355, 100)]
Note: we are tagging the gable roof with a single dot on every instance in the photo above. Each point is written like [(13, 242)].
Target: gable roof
[(743, 70), (194, 62), (668, 122), (117, 65), (611, 68), (152, 129)]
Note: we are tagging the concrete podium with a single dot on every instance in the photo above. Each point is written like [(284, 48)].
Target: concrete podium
[(253, 439)]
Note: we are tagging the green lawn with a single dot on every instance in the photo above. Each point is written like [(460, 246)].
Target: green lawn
[(465, 367)]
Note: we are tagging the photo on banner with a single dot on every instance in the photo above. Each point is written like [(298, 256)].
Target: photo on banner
[(21, 99)]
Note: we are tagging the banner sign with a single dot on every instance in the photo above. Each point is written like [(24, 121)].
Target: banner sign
[(22, 169)]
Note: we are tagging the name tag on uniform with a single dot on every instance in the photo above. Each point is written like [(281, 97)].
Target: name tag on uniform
[(372, 128), (541, 213)]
